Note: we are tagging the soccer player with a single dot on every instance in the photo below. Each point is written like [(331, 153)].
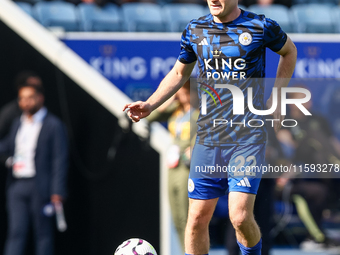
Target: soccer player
[(228, 44)]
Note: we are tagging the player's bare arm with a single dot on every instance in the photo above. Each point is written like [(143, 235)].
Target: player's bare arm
[(284, 72), (174, 80)]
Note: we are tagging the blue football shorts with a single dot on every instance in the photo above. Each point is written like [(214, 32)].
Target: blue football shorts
[(217, 170)]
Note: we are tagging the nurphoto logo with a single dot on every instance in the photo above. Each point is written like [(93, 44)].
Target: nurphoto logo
[(238, 99)]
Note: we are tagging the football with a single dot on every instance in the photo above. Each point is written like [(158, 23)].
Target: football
[(135, 246)]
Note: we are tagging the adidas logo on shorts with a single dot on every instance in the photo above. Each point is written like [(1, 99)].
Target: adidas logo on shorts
[(244, 183)]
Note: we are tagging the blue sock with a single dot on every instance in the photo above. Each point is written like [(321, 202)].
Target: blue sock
[(256, 250)]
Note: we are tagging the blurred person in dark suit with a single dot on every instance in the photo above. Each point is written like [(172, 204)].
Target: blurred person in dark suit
[(11, 110), (8, 113), (38, 155)]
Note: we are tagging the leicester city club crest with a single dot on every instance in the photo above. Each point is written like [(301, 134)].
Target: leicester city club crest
[(191, 185), (245, 38)]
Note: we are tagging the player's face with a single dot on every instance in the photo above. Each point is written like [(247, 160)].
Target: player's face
[(222, 8), (29, 100)]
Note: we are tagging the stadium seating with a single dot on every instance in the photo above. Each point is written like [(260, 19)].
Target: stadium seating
[(57, 14), (95, 18), (26, 7), (327, 2), (279, 13), (31, 2), (316, 16), (313, 18), (206, 10), (164, 2), (179, 15), (142, 17)]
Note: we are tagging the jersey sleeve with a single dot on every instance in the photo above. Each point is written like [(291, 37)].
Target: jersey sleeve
[(274, 36), (187, 54)]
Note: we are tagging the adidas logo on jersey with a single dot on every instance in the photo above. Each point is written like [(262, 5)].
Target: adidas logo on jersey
[(244, 183), (203, 42)]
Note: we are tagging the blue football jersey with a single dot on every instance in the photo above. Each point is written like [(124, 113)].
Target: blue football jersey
[(230, 53)]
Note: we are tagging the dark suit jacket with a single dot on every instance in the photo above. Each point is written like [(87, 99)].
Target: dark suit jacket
[(8, 113), (51, 157)]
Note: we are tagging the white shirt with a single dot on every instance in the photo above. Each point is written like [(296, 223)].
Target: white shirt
[(26, 144)]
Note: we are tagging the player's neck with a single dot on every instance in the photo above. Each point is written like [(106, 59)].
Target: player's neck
[(234, 14)]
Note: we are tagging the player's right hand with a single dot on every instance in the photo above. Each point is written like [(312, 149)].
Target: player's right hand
[(137, 110)]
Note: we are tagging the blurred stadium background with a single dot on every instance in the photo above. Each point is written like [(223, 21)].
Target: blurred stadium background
[(95, 55)]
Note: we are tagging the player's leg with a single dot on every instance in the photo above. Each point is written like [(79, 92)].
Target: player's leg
[(203, 190), (244, 181), (241, 207), (197, 229)]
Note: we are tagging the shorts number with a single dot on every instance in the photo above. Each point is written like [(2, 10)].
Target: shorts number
[(244, 171)]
